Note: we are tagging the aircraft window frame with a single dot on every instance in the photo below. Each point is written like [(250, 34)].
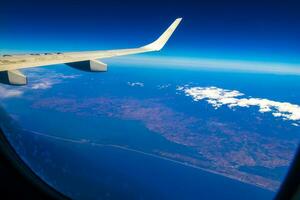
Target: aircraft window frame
[(289, 190), (25, 171)]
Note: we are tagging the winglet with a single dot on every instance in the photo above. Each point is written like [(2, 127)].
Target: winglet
[(161, 41)]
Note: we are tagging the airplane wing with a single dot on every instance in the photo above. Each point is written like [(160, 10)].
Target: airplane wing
[(87, 60)]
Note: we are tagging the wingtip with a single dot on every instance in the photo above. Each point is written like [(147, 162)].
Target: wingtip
[(159, 43)]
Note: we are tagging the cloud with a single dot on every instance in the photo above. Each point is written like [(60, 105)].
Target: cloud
[(36, 82), (218, 97), (68, 76), (9, 93), (133, 84), (208, 64), (163, 86), (51, 78), (45, 84)]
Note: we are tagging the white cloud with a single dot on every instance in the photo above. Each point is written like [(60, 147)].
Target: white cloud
[(218, 97), (42, 85), (133, 84), (9, 93), (164, 86), (36, 82), (68, 76), (51, 78)]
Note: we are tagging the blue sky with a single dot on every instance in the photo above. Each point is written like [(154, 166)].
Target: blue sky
[(235, 30)]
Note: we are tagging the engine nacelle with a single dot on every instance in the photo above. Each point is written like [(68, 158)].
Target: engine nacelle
[(89, 65), (13, 77)]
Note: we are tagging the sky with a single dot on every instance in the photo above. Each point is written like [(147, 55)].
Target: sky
[(256, 31)]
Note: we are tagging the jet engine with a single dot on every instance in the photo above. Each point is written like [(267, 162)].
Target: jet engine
[(89, 65)]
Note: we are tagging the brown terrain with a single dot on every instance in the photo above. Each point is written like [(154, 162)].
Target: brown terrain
[(222, 148)]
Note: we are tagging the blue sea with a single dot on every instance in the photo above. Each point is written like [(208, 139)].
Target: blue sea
[(84, 170), (89, 151)]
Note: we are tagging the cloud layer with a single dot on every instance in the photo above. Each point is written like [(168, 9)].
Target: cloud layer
[(208, 64), (135, 84), (218, 97), (40, 79), (9, 93)]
